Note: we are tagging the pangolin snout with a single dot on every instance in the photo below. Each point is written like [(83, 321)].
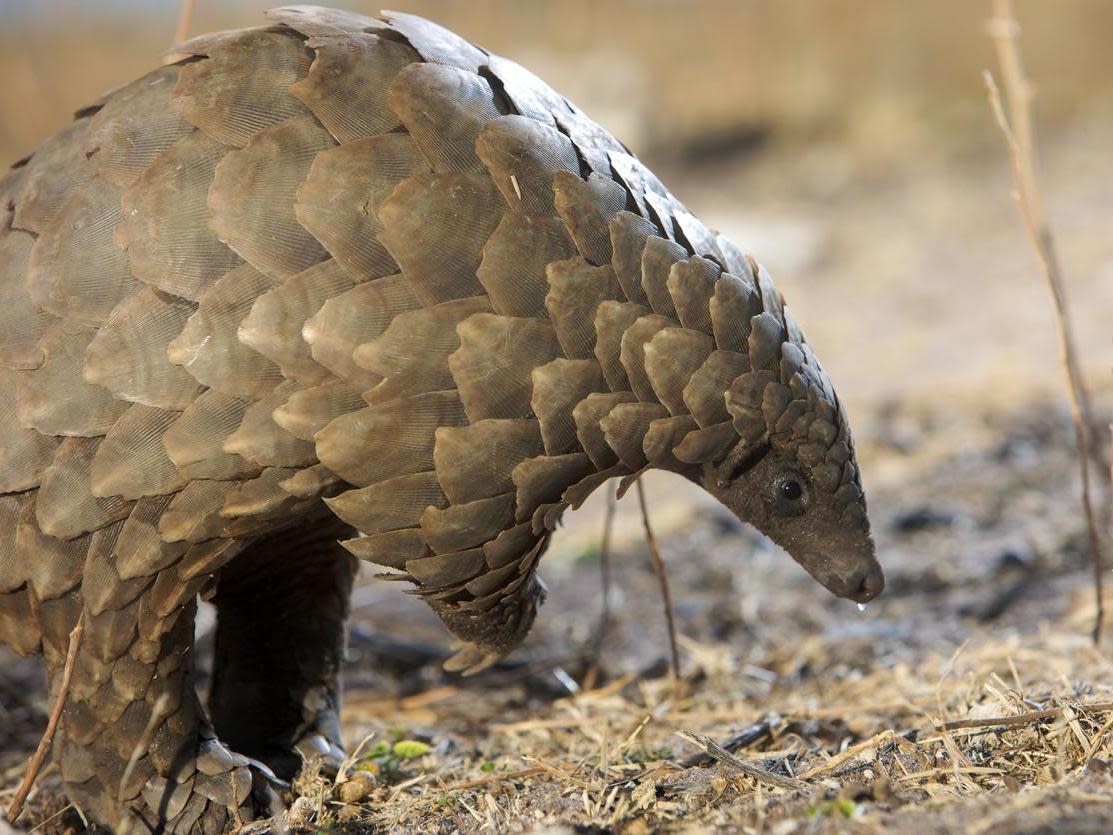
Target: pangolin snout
[(865, 585), (861, 583)]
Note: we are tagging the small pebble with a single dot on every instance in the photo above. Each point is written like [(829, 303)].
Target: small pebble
[(356, 788)]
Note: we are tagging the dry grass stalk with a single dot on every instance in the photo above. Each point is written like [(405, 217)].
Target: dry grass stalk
[(605, 582), (666, 595), (745, 739), (144, 744), (39, 827), (559, 773), (181, 31), (717, 752), (521, 774), (1024, 718), (1016, 128), (849, 754), (15, 808)]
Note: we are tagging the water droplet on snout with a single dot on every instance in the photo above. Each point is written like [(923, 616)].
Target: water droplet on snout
[(863, 606)]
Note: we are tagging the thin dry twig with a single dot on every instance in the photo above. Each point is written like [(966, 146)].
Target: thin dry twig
[(15, 808), (717, 752), (185, 20), (495, 778), (1016, 128), (602, 628), (144, 744), (1023, 718), (559, 773), (605, 567), (42, 824), (181, 31), (849, 753), (663, 580), (744, 739)]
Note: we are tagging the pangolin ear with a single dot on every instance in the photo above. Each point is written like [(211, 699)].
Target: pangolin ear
[(742, 458), (743, 400)]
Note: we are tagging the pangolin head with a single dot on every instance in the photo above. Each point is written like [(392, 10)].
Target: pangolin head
[(792, 474)]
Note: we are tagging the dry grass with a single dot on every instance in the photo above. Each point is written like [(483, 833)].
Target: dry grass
[(884, 743), (1019, 135)]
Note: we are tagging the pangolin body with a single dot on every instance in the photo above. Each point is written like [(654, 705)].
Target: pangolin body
[(350, 278)]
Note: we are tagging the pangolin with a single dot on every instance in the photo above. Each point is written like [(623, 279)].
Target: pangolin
[(347, 286)]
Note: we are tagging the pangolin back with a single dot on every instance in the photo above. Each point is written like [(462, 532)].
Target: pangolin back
[(364, 264)]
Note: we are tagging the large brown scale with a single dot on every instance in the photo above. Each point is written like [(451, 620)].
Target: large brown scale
[(351, 279)]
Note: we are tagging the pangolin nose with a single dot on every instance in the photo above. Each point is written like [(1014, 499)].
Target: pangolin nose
[(869, 585)]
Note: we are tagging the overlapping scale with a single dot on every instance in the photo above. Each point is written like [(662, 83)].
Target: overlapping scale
[(253, 193), (66, 506), (515, 257), (137, 123), (390, 505), (274, 325), (389, 439), (53, 173), (76, 271), (435, 226), (524, 155), (260, 439), (587, 207), (24, 453), (492, 368), (444, 109), (339, 200), (22, 322), (576, 289), (131, 461), (195, 440), (309, 410), (128, 356), (243, 86), (55, 399), (474, 462), (558, 387), (166, 224), (672, 356), (208, 346), (412, 353), (346, 88)]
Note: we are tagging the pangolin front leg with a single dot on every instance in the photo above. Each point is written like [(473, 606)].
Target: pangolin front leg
[(135, 747)]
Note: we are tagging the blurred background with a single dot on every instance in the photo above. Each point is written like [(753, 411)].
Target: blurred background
[(847, 143)]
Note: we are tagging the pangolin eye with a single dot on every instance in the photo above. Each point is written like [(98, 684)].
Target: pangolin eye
[(791, 490), (789, 494)]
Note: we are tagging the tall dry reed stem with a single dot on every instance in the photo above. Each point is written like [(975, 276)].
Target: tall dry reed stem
[(666, 594), (181, 31), (1013, 114), (15, 808)]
